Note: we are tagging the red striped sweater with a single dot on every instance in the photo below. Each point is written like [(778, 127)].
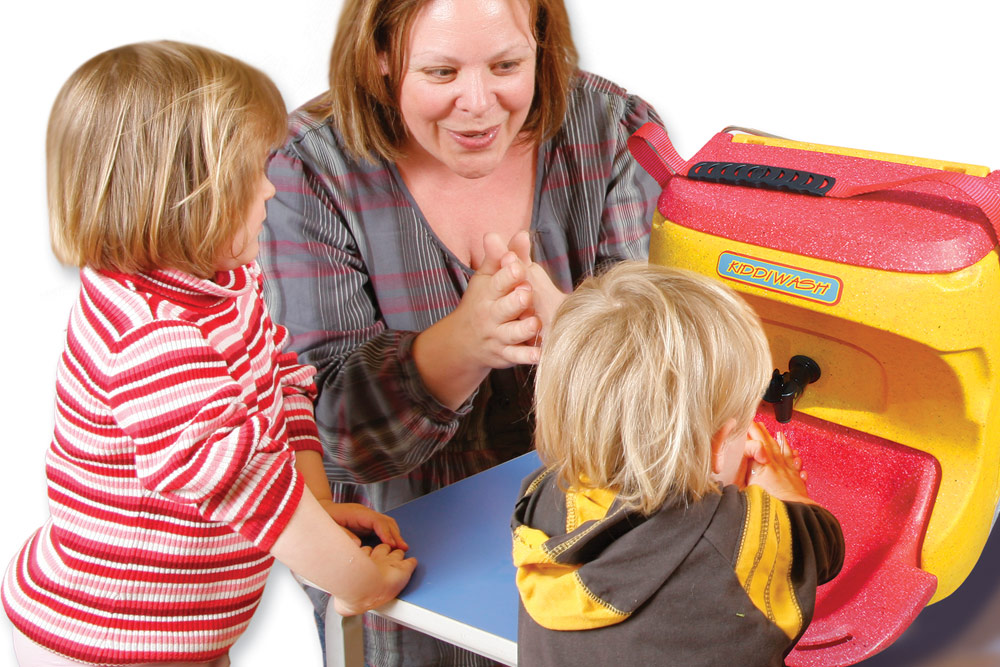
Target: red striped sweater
[(170, 470)]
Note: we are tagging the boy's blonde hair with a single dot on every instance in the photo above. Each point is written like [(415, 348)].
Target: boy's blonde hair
[(642, 366), (154, 153)]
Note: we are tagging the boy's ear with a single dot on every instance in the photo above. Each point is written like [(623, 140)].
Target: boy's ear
[(720, 438)]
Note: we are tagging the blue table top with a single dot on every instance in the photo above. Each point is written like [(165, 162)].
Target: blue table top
[(460, 536)]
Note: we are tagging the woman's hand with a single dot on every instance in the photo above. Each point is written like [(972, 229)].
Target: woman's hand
[(499, 304), (545, 296), (492, 327)]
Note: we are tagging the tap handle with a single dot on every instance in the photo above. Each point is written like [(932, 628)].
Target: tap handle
[(786, 387), (776, 387)]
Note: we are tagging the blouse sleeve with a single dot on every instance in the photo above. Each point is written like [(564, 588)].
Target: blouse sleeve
[(631, 193), (195, 440), (375, 416)]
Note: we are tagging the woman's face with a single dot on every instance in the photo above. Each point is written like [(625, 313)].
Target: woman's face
[(469, 82)]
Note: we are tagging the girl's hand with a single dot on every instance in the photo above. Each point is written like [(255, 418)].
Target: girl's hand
[(356, 519), (395, 572)]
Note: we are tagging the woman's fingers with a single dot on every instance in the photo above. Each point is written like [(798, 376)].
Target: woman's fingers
[(521, 354), (508, 308), (509, 276), (517, 332), (493, 251)]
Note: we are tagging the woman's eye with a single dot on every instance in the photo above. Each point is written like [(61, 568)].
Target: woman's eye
[(440, 72), (507, 66)]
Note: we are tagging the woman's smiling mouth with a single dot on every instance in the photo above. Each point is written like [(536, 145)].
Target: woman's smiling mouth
[(475, 139)]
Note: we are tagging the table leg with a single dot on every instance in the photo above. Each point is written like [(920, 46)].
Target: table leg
[(345, 641)]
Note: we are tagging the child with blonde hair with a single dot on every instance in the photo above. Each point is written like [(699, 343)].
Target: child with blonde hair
[(665, 526), (185, 455)]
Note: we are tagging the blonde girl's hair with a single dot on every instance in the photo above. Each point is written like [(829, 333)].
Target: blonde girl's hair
[(154, 154), (642, 365), (369, 59)]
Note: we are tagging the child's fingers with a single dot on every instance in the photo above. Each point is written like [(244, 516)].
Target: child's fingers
[(388, 531), (757, 431), (493, 250), (396, 554), (407, 565), (756, 447), (757, 451), (380, 550), (386, 553), (350, 534), (782, 442)]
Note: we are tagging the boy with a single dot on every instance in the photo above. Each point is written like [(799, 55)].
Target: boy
[(641, 541)]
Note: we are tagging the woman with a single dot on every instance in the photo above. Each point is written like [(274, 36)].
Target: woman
[(455, 134)]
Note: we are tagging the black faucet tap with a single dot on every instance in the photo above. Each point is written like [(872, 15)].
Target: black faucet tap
[(785, 388)]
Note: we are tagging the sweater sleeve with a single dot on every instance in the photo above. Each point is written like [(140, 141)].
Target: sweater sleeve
[(299, 392), (195, 440), (819, 539), (785, 550), (375, 416)]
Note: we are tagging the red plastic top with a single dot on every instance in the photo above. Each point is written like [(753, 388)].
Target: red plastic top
[(922, 227)]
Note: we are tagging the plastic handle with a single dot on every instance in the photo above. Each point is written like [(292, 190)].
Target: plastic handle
[(652, 149), (762, 176)]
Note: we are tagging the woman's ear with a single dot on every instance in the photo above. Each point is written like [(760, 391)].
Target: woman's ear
[(383, 64), (719, 440)]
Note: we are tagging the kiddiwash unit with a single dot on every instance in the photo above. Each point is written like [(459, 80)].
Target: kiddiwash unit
[(878, 282)]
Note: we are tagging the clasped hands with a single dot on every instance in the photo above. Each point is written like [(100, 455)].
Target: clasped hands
[(509, 303), (772, 464)]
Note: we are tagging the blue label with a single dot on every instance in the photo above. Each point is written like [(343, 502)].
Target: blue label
[(800, 283)]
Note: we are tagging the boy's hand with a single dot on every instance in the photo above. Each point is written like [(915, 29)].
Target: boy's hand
[(395, 571), (780, 472), (356, 519)]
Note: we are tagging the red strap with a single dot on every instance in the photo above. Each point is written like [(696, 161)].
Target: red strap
[(983, 192), (651, 148)]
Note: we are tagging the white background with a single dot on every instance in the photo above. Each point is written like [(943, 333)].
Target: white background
[(917, 78)]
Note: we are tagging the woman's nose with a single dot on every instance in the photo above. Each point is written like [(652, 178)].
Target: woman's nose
[(475, 96)]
